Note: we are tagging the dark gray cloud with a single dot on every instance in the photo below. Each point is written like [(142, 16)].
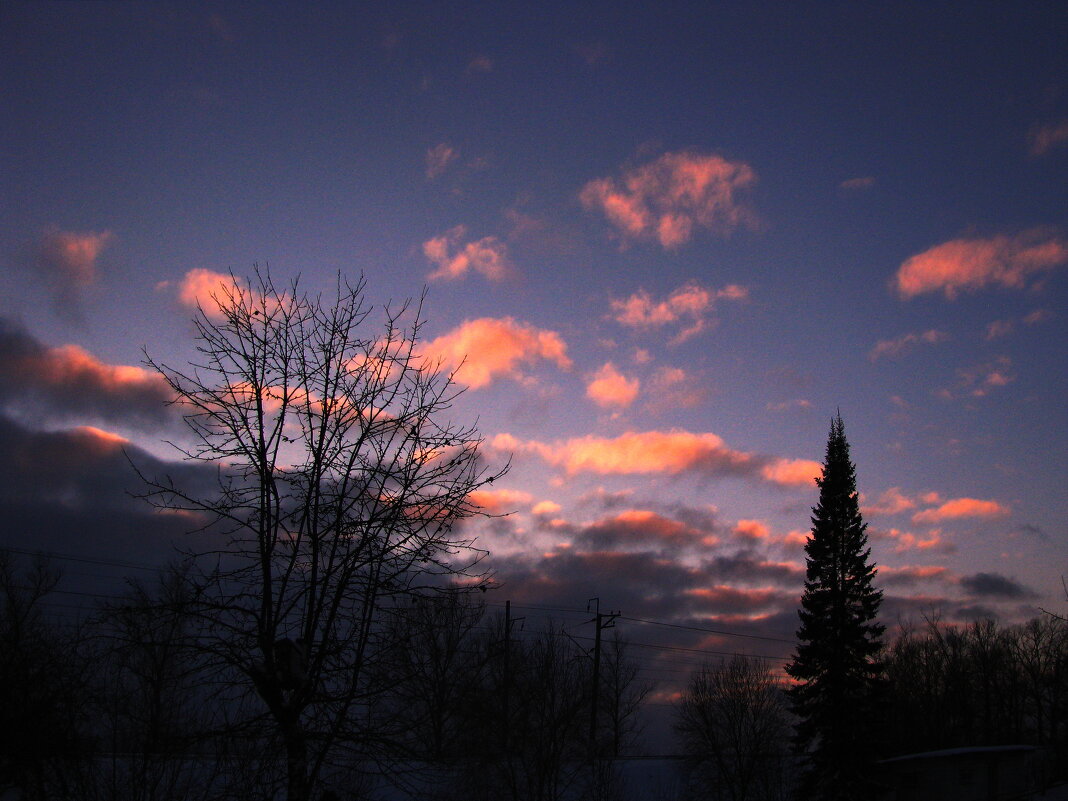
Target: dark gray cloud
[(751, 566), (995, 585), (74, 492), (67, 383)]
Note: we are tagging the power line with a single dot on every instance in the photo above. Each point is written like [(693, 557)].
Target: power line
[(699, 628), (83, 559), (647, 621)]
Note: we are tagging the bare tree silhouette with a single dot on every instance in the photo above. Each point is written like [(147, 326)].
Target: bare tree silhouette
[(733, 724), (340, 483)]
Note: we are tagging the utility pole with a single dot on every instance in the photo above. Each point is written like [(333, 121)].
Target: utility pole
[(508, 673), (604, 621)]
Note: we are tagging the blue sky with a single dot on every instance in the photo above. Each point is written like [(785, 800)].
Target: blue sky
[(671, 239)]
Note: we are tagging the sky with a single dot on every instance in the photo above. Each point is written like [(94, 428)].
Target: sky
[(671, 241)]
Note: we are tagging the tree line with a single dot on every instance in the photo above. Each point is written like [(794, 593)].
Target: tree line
[(128, 704), (125, 705)]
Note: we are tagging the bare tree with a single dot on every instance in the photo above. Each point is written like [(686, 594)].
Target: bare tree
[(152, 699), (339, 487), (732, 721), (622, 694), (43, 720)]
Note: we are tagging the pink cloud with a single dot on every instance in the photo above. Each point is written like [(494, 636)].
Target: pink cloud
[(641, 527), (998, 329), (905, 541), (1038, 316), (593, 53), (857, 184), (782, 406), (894, 348), (792, 472), (690, 303), (957, 508), (487, 256), (608, 387), (438, 159), (207, 289), (70, 258), (672, 388), (480, 63), (481, 350), (1045, 138), (666, 199), (966, 265), (736, 599), (912, 574), (891, 502), (977, 380)]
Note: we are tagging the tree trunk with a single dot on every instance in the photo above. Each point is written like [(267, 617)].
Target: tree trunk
[(297, 783)]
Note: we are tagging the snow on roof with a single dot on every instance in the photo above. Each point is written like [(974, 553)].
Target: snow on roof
[(964, 751)]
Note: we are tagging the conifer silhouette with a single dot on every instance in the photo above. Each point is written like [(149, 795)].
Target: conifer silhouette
[(835, 665)]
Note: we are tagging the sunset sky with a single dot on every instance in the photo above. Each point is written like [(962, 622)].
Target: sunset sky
[(671, 240)]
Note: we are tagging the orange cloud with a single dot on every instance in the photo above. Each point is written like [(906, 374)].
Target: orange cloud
[(961, 507), (666, 199), (797, 472), (107, 438), (483, 349), (751, 530), (669, 452), (972, 264), (691, 302), (1046, 137), (438, 159), (609, 387), (893, 348), (796, 537), (70, 258), (636, 452), (499, 501), (488, 256), (545, 508)]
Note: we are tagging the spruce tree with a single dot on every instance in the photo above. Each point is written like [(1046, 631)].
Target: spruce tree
[(836, 665)]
